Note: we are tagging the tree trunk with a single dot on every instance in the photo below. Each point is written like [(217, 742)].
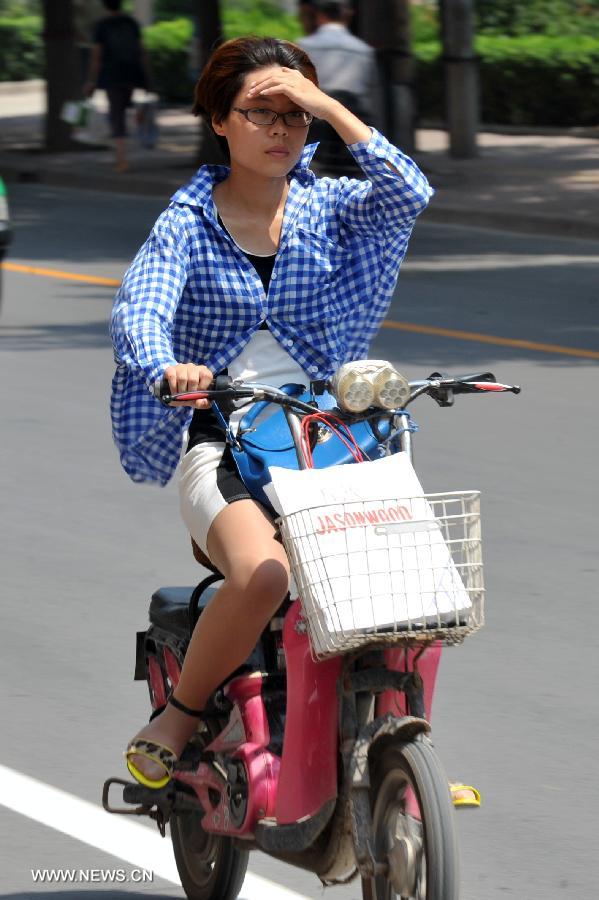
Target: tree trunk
[(385, 25), (461, 76), (62, 75), (210, 33)]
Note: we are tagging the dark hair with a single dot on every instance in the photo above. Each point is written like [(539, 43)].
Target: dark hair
[(307, 15), (113, 5), (334, 11), (222, 77)]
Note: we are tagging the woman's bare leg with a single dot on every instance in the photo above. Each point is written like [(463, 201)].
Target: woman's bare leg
[(242, 545), (120, 148)]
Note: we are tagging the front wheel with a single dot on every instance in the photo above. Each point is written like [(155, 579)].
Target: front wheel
[(210, 866), (413, 828)]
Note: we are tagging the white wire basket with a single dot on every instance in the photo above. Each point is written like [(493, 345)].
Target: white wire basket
[(388, 571)]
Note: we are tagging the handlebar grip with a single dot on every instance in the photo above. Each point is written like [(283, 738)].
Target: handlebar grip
[(162, 391), (476, 376), (221, 383)]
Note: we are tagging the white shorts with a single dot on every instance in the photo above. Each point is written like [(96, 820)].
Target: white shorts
[(208, 476), (208, 482)]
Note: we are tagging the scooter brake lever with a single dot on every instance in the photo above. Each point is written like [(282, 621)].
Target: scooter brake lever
[(442, 394)]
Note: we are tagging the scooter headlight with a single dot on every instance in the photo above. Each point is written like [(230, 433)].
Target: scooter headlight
[(354, 392), (366, 382), (391, 390)]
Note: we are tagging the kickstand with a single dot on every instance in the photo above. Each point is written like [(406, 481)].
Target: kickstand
[(158, 817), (144, 807)]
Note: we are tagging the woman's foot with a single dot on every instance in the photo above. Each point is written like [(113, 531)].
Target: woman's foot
[(161, 742), (464, 795)]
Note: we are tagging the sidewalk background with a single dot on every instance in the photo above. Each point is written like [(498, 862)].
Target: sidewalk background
[(544, 181)]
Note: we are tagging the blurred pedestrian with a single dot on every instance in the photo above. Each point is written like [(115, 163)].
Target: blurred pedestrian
[(347, 70), (118, 66), (345, 64)]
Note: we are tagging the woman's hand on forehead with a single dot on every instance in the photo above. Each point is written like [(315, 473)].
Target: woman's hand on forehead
[(295, 86)]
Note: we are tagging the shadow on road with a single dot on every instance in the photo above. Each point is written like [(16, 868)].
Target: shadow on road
[(86, 227), (83, 335), (431, 353)]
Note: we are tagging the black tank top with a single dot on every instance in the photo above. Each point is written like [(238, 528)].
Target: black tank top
[(262, 264)]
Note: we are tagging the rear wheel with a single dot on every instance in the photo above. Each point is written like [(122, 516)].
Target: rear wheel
[(210, 866), (413, 829)]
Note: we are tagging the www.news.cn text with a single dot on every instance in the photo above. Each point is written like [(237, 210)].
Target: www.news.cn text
[(91, 876)]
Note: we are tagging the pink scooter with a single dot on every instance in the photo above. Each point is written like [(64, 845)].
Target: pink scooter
[(326, 764)]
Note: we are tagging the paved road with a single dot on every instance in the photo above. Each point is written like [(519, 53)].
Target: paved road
[(82, 549)]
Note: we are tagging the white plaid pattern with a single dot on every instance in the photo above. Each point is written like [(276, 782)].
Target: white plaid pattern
[(191, 295)]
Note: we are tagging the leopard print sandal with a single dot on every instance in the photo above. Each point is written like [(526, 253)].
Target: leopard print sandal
[(156, 753)]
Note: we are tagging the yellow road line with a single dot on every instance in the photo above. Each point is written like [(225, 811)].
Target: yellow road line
[(58, 273), (491, 339), (397, 326)]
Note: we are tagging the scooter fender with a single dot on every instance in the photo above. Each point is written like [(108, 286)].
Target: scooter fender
[(405, 729)]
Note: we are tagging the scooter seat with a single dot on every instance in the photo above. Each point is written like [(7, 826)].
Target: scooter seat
[(169, 607)]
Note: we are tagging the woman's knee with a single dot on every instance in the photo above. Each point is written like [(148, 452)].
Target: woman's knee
[(262, 579), (242, 544)]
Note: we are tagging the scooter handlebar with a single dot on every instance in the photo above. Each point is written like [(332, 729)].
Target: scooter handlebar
[(218, 388)]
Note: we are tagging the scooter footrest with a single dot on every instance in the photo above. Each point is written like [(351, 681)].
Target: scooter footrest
[(138, 794), (156, 804), (141, 798)]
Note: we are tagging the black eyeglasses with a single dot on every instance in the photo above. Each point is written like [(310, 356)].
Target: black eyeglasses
[(295, 119)]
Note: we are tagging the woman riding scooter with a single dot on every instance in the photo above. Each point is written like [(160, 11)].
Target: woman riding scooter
[(261, 269)]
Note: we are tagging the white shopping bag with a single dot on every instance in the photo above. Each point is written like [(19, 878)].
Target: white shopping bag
[(75, 112), (291, 490), (96, 128), (366, 549)]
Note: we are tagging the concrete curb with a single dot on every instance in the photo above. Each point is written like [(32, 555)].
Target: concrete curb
[(34, 86), (168, 170), (586, 131)]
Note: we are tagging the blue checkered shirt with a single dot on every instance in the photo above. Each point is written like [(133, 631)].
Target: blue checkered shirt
[(191, 295)]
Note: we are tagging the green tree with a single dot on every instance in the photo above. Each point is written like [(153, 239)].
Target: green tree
[(16, 8), (173, 9), (553, 17)]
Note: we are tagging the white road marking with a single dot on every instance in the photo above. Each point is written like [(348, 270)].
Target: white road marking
[(126, 839)]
